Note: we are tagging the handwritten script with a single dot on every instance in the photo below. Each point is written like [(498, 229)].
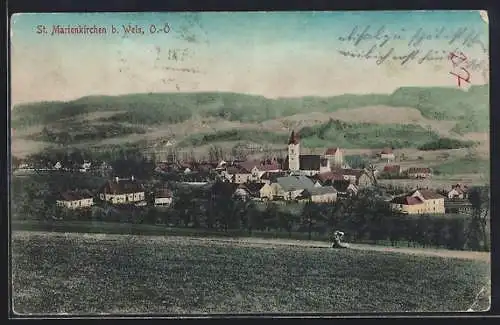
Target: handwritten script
[(379, 44)]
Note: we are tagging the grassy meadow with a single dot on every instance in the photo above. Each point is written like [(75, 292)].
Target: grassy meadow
[(89, 274)]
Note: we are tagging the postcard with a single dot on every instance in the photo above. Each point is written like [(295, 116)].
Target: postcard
[(200, 163)]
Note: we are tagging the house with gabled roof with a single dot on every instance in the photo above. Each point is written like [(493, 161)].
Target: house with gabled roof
[(271, 177), (325, 194), (418, 172), (329, 177), (420, 201), (237, 174), (335, 156), (248, 191), (345, 188), (392, 170), (290, 187), (359, 177), (387, 154), (458, 191), (75, 199), (122, 191), (163, 197)]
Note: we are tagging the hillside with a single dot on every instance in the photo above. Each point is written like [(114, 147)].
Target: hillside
[(203, 118)]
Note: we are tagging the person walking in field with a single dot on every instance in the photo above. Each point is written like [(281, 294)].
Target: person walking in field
[(337, 240)]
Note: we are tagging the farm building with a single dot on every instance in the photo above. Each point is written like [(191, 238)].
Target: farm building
[(359, 177), (75, 199), (387, 154), (418, 172), (329, 177), (290, 187), (324, 194), (419, 202), (392, 170), (122, 191)]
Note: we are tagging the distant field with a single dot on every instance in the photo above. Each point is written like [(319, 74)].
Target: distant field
[(74, 273), (464, 166)]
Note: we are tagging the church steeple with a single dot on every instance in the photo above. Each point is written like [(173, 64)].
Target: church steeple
[(294, 152), (294, 138)]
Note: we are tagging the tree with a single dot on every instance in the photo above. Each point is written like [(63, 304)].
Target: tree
[(356, 161), (477, 234), (311, 214), (271, 216), (371, 171)]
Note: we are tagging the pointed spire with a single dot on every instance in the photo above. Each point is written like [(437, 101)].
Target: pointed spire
[(294, 138)]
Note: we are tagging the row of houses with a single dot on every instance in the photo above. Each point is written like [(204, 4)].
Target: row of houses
[(119, 191), (411, 172)]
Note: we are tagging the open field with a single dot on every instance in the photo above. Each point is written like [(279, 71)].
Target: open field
[(77, 273)]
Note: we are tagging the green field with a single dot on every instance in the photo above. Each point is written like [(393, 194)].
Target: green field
[(343, 134), (464, 166), (70, 273)]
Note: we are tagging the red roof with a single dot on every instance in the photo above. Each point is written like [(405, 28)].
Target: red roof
[(248, 165), (349, 172), (406, 200), (392, 168), (386, 151), (268, 167), (415, 170), (430, 195), (122, 187), (329, 176), (294, 138), (331, 151)]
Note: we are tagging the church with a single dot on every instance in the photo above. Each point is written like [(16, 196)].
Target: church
[(308, 165)]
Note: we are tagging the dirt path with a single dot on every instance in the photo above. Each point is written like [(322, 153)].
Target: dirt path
[(269, 243), (479, 256)]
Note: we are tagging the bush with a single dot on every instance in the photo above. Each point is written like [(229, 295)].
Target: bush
[(445, 143)]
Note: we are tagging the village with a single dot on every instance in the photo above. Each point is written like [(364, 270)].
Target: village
[(322, 179)]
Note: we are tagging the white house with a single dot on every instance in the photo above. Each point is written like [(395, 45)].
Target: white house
[(75, 200), (163, 198), (335, 156), (387, 154), (122, 191), (323, 194), (238, 175), (458, 192), (57, 165)]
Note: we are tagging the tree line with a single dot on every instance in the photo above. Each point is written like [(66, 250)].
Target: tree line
[(364, 218)]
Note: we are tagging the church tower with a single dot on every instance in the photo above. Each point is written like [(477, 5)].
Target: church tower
[(293, 152)]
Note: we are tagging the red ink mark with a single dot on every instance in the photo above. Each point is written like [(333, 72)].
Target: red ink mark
[(457, 60), (461, 57), (459, 77)]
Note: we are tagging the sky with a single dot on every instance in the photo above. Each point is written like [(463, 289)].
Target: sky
[(274, 54)]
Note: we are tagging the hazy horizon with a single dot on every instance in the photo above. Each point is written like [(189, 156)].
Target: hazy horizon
[(229, 92), (273, 54)]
